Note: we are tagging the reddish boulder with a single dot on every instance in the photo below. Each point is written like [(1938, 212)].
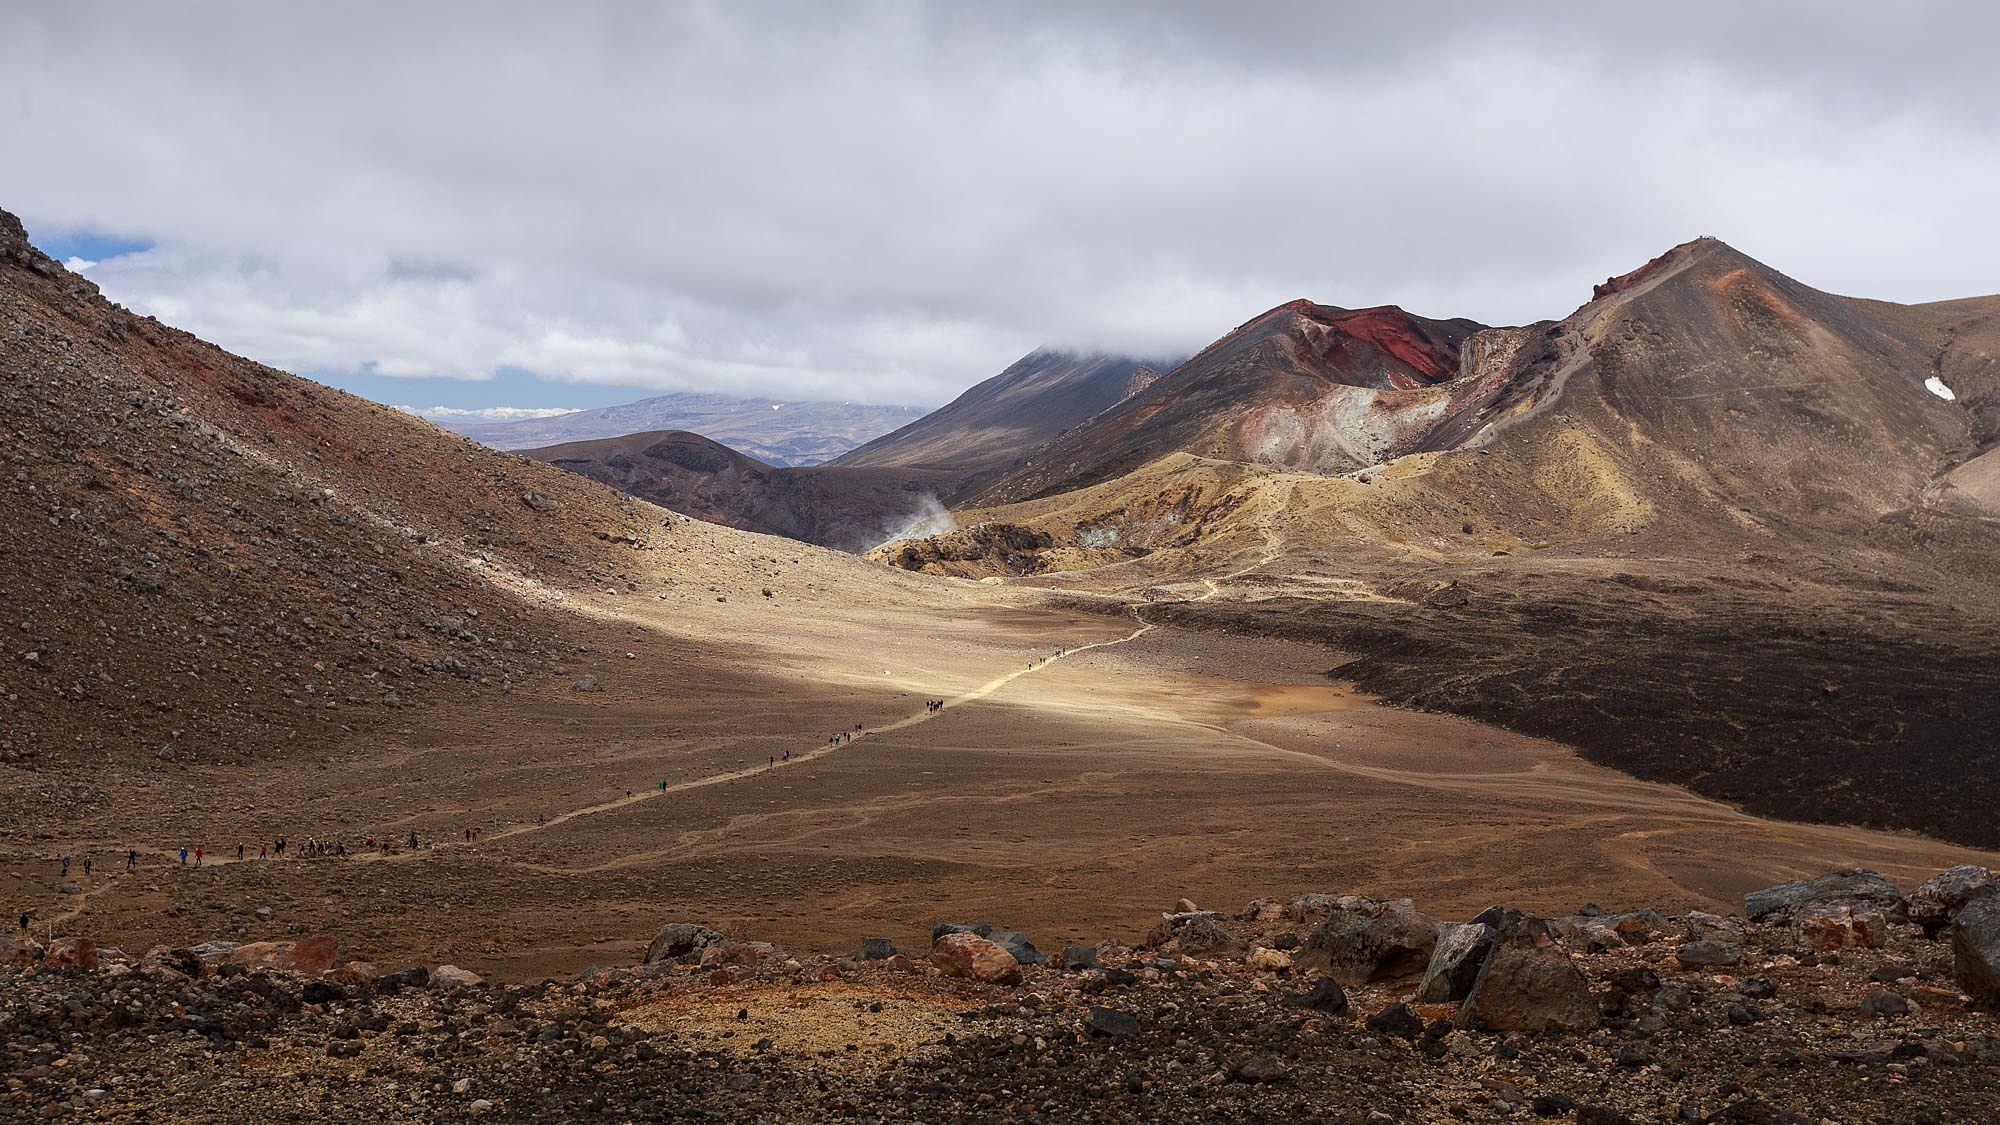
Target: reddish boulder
[(1826, 926), (750, 954), (71, 953), (312, 955), (1526, 986), (974, 958)]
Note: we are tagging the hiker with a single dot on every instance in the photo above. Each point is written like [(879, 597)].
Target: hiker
[(263, 851), (774, 762), (184, 857), (340, 850), (197, 857), (86, 867), (281, 847), (541, 819), (239, 851), (131, 858), (65, 873), (413, 841), (24, 919), (663, 785)]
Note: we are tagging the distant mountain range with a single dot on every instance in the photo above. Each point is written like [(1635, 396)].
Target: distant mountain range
[(774, 432)]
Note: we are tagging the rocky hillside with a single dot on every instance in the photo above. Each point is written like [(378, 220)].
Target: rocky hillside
[(776, 433), (1829, 999), (210, 559)]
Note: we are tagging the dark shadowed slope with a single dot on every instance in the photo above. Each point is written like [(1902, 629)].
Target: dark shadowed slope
[(996, 422), (777, 433), (846, 508)]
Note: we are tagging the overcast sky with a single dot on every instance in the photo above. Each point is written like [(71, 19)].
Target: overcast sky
[(483, 205)]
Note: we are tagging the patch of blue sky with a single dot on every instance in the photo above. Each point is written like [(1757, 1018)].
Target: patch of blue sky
[(90, 245)]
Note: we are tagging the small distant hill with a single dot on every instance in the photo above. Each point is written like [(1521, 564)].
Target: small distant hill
[(774, 432)]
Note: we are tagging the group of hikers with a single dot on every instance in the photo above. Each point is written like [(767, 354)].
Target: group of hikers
[(933, 705)]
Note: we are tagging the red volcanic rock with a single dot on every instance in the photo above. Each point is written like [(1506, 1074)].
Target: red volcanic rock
[(973, 957), (71, 953), (1825, 926), (312, 955), (19, 952)]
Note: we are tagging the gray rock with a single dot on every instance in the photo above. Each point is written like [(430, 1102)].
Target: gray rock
[(1112, 1022), (1017, 943), (682, 942), (1324, 996), (876, 949), (586, 682), (1356, 949), (1853, 885), (1460, 953), (1975, 948), (1934, 904), (979, 929), (1709, 954), (1399, 1020), (1884, 1004), (1076, 958)]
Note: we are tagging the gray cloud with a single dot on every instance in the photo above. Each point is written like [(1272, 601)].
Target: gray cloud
[(888, 201)]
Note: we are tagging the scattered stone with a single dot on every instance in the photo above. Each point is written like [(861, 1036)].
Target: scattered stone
[(1196, 932), (876, 949), (585, 682), (1399, 1020), (1261, 1068), (1709, 954), (1325, 996), (1269, 960), (448, 978), (1076, 958), (1112, 1022), (1882, 1004)]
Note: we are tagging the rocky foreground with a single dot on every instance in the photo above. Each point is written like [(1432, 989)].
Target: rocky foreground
[(1832, 999)]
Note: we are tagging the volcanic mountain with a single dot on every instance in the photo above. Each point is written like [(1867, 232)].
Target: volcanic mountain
[(992, 424), (1716, 527), (1303, 386)]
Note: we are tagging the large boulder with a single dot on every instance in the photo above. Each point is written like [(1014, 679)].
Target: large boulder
[(1855, 885), (1529, 986), (71, 953), (973, 957), (309, 955), (1934, 904), (1356, 949), (681, 942), (1460, 953), (1975, 947)]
